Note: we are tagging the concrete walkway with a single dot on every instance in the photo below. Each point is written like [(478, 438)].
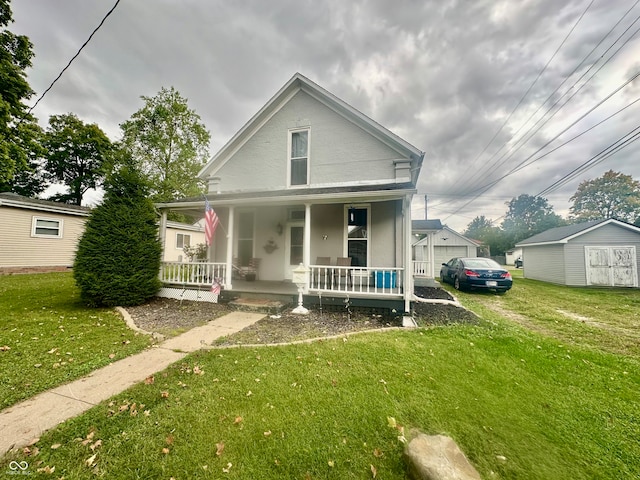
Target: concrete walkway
[(25, 421)]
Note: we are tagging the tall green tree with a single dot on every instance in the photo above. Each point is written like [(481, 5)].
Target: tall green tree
[(528, 215), (479, 228), (614, 195), (118, 257), (16, 52), (77, 155), (169, 143), (29, 178)]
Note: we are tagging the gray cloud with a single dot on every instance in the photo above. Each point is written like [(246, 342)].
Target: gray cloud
[(444, 75)]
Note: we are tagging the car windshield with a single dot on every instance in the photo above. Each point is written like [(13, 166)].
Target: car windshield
[(480, 263)]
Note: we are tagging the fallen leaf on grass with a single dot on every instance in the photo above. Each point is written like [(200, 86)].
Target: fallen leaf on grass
[(149, 380), (267, 433), (49, 470), (5, 348), (226, 470), (377, 453), (237, 420), (164, 394), (90, 462), (165, 450), (374, 471), (219, 448), (56, 446), (112, 356), (95, 445), (331, 463), (198, 371), (170, 439)]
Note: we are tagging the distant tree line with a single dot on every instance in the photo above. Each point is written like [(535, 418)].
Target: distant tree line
[(614, 195)]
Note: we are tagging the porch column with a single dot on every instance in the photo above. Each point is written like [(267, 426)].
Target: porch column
[(306, 258), (229, 259), (163, 230), (406, 246), (432, 253)]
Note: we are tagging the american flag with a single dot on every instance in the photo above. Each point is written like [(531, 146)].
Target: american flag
[(211, 222), (215, 286)]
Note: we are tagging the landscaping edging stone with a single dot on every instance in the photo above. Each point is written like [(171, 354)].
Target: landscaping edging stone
[(437, 457)]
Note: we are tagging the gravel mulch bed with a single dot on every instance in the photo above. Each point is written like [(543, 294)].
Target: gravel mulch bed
[(170, 317)]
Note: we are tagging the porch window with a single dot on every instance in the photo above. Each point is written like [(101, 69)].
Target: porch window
[(245, 238), (299, 157), (46, 227), (182, 240), (358, 235)]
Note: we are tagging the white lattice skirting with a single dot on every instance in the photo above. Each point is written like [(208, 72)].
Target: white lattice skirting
[(187, 294)]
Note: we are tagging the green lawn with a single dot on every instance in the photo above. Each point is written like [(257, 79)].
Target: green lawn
[(521, 404), (47, 337)]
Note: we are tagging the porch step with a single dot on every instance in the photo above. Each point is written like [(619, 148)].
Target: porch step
[(261, 305)]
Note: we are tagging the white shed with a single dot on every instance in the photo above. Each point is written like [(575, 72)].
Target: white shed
[(596, 253)]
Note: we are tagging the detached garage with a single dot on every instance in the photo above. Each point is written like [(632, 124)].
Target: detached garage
[(596, 253)]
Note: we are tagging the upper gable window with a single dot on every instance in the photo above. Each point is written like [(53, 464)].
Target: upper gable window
[(299, 157)]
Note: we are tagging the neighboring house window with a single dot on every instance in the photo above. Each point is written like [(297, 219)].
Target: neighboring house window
[(183, 240), (358, 235), (299, 157), (46, 227)]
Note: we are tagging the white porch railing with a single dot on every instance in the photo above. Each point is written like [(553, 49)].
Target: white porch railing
[(191, 273), (421, 268), (366, 280)]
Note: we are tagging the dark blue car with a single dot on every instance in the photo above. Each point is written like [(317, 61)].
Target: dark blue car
[(472, 273)]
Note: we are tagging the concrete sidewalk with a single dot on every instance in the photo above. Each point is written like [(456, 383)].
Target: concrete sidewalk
[(27, 420)]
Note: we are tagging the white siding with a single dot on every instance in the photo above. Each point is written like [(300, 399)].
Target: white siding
[(340, 152), (606, 235), (19, 249), (545, 263)]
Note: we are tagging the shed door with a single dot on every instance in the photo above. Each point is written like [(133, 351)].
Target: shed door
[(611, 266)]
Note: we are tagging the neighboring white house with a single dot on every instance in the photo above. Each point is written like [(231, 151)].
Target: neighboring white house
[(38, 235), (180, 235), (311, 180), (448, 243), (598, 253), (423, 233)]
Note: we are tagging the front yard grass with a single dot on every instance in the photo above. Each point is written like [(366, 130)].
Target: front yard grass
[(47, 337), (521, 404)]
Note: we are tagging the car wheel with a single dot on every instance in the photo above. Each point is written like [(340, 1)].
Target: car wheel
[(456, 283)]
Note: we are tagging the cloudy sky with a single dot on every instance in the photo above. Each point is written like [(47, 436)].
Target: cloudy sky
[(484, 87)]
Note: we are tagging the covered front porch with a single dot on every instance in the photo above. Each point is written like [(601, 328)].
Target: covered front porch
[(355, 247)]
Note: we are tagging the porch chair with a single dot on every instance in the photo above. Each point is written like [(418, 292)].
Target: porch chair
[(254, 266), (341, 273), (322, 272), (250, 271)]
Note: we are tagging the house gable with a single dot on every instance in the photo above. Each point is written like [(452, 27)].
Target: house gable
[(345, 146)]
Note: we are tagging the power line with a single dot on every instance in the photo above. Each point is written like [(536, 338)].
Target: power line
[(522, 141), (612, 149), (488, 186), (74, 57), (535, 81)]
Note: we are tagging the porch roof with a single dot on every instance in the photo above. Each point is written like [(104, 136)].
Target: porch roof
[(351, 193)]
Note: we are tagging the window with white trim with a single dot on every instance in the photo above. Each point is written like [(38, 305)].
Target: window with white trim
[(358, 219), (299, 157), (46, 227), (183, 240)]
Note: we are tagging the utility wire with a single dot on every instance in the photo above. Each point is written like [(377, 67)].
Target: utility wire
[(488, 186), (612, 149), (74, 57), (535, 81), (495, 164)]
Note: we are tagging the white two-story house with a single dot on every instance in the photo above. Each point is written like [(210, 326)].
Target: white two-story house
[(309, 180)]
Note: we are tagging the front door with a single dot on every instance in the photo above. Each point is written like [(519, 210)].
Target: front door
[(295, 248)]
